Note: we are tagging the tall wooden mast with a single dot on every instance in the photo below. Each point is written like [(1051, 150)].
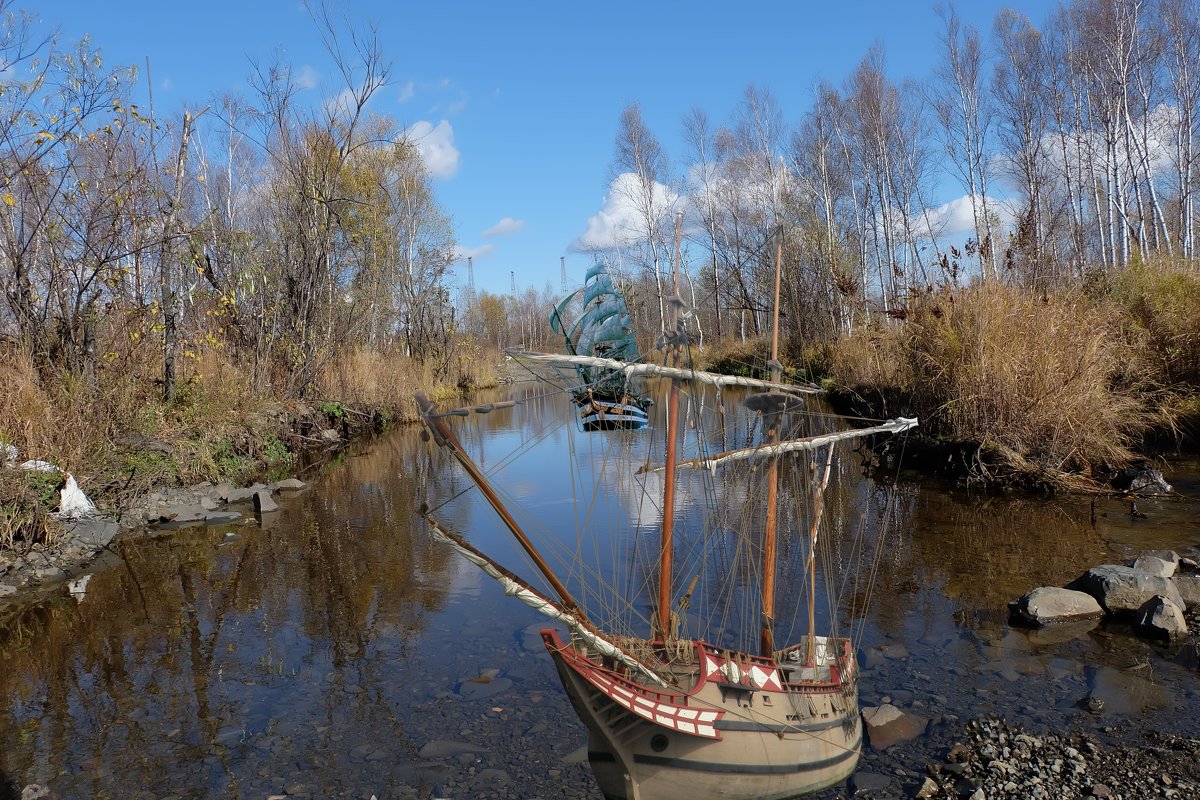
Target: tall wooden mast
[(663, 620), (445, 437), (769, 537)]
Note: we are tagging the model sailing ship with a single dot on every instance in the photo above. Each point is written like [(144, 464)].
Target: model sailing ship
[(672, 717), (602, 328)]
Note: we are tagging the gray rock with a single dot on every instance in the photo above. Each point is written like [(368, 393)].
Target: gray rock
[(1124, 590), (330, 435), (1188, 587), (49, 575), (221, 491), (94, 532), (1156, 565), (1049, 605), (263, 502), (290, 485), (869, 782), (888, 725), (6, 590), (187, 513), (209, 504), (240, 495), (1162, 619), (221, 517), (35, 791)]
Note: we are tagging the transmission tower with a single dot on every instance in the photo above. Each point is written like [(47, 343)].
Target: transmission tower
[(513, 275), (562, 261)]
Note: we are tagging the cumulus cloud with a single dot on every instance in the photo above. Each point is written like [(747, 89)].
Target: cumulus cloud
[(619, 222), (435, 143), (505, 227)]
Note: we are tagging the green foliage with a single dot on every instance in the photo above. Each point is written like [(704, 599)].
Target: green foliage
[(332, 409), (230, 464), (26, 498)]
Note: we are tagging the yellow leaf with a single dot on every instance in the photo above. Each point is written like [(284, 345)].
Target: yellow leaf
[(9, 200)]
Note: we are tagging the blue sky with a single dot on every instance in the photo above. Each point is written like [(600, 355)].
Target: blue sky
[(518, 103)]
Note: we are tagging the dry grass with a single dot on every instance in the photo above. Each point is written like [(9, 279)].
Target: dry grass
[(1162, 316), (1049, 385), (387, 380)]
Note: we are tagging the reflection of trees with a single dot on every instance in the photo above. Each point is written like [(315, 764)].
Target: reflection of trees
[(291, 632)]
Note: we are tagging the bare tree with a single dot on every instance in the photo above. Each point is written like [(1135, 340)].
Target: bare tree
[(641, 168), (962, 104)]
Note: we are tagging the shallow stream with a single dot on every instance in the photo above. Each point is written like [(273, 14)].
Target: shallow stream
[(337, 651)]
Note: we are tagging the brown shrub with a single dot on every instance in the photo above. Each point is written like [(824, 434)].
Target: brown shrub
[(1047, 384)]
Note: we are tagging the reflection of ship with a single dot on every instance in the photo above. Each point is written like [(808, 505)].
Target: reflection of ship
[(602, 328), (670, 716)]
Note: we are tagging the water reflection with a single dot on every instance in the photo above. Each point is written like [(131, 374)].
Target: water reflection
[(327, 652)]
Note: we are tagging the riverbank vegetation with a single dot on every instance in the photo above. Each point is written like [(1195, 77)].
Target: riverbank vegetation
[(202, 295), (201, 292), (1045, 322)]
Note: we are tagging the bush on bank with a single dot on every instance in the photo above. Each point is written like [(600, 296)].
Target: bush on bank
[(1055, 388)]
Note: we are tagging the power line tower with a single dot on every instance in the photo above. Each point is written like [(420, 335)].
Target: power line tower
[(513, 274), (469, 293), (562, 261)]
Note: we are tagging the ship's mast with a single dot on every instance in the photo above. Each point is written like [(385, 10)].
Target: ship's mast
[(445, 438), (664, 564), (769, 538)]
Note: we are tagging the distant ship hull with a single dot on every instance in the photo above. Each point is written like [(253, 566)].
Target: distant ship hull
[(747, 729), (624, 413)]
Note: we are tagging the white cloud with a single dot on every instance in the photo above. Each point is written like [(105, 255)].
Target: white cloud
[(306, 78), (505, 227), (955, 218), (619, 222), (406, 92), (435, 143), (462, 253)]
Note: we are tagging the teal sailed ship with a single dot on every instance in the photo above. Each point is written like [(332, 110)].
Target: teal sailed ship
[(602, 329)]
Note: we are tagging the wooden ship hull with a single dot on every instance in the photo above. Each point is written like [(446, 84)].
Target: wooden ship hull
[(745, 728), (603, 414)]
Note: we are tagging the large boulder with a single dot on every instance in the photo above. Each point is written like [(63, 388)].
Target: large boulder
[(1161, 619), (1157, 562), (888, 725), (1124, 590), (1048, 605), (1140, 479), (1189, 589)]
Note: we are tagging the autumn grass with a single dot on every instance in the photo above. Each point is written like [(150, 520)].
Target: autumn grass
[(120, 439), (1052, 387), (387, 380)]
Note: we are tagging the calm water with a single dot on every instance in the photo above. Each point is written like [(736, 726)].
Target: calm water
[(340, 652)]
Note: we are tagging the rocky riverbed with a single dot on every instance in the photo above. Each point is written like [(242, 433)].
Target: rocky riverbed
[(46, 566)]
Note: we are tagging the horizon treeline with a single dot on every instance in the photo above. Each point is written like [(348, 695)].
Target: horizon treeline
[(1073, 139)]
